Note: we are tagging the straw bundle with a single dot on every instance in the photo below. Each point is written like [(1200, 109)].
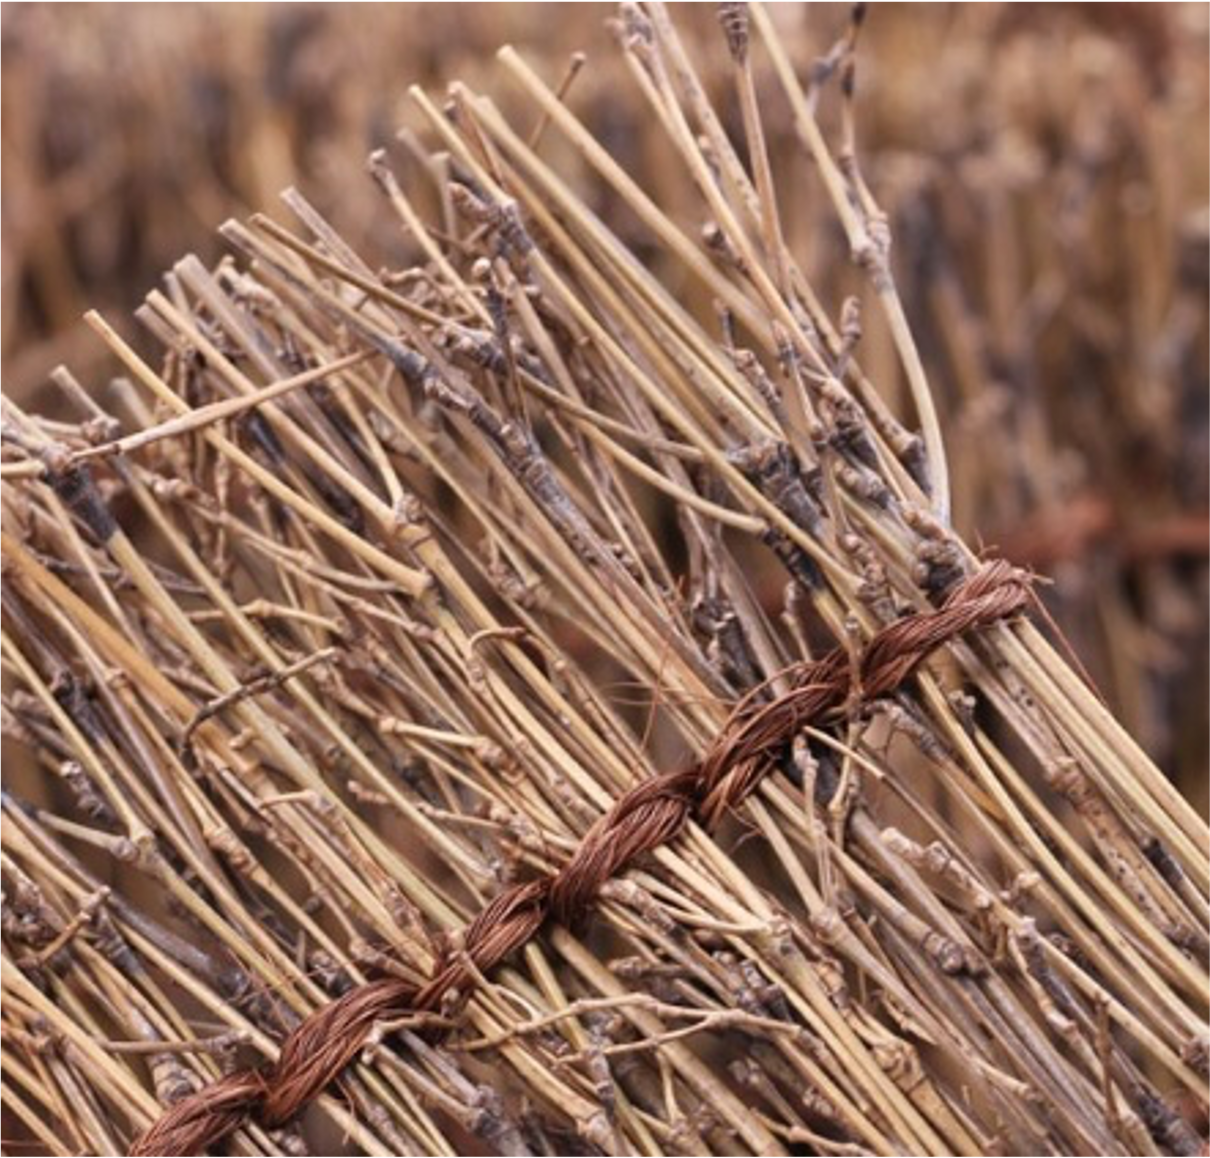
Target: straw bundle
[(1045, 170), (434, 757)]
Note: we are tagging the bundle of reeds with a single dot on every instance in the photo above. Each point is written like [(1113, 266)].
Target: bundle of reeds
[(1044, 169), (528, 698)]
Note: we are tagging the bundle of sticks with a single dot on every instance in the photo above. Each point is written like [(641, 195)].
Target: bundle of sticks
[(513, 695)]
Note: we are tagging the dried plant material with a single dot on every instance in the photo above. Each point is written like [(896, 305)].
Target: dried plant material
[(430, 751)]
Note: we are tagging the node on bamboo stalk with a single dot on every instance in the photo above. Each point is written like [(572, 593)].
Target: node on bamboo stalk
[(427, 768)]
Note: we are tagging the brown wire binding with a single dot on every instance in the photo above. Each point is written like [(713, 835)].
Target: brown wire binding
[(651, 814)]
